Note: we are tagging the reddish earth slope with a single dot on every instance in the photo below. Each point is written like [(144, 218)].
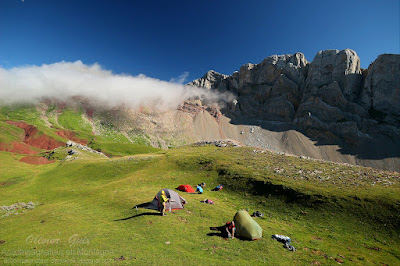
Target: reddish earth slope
[(36, 160), (67, 134), (32, 138)]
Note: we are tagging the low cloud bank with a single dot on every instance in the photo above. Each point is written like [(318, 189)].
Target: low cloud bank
[(63, 80)]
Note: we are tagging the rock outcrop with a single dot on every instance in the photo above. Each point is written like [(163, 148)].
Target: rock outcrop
[(330, 99), (381, 90)]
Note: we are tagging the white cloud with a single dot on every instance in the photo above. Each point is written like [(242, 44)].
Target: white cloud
[(30, 84), (181, 79)]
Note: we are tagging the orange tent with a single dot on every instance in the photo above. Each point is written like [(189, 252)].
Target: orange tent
[(186, 188)]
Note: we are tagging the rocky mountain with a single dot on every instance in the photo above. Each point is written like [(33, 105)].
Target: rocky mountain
[(330, 100), (328, 109)]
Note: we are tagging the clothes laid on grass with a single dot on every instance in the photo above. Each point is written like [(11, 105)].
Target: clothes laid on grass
[(257, 214), (285, 240), (208, 201)]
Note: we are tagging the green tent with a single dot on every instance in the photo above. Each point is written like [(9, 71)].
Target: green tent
[(246, 226)]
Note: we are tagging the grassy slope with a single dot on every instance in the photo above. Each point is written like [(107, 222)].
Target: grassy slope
[(91, 200), (9, 133), (110, 141)]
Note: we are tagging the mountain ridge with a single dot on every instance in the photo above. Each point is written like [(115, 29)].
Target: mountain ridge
[(331, 100)]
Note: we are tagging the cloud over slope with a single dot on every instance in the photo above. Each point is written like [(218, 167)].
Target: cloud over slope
[(63, 80)]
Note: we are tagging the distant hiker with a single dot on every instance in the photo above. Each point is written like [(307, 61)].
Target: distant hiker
[(200, 187), (227, 230), (217, 188), (163, 201)]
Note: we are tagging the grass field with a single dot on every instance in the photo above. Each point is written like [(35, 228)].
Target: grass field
[(84, 211), (80, 209)]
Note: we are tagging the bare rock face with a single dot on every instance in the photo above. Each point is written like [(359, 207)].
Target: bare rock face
[(343, 67), (381, 90), (209, 80), (267, 90), (330, 100), (331, 94)]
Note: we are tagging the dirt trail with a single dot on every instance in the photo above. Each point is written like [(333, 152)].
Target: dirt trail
[(42, 108), (91, 123)]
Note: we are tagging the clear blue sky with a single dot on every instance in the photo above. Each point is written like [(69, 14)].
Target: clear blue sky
[(163, 39)]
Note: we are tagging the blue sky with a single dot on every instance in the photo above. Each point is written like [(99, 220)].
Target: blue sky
[(164, 39)]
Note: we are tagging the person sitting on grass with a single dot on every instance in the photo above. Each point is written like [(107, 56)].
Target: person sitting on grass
[(163, 201), (227, 230), (200, 187)]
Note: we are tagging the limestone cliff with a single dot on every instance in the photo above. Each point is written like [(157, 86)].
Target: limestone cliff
[(330, 100), (330, 94)]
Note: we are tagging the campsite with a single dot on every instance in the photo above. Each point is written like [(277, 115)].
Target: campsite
[(199, 132), (85, 209)]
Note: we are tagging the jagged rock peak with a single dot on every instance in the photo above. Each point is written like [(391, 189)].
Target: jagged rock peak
[(208, 80), (297, 60), (213, 75)]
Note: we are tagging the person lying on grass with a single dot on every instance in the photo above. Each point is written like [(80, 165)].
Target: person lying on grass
[(218, 188), (227, 230)]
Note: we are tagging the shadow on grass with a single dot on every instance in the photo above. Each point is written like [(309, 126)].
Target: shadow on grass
[(142, 205), (138, 215), (225, 238)]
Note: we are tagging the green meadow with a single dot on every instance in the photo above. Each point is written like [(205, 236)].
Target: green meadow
[(85, 211), (83, 206)]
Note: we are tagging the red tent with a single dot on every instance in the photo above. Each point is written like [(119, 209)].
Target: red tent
[(186, 188)]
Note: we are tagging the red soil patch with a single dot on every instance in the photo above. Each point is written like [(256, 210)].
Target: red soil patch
[(17, 147), (67, 134), (34, 138), (36, 160)]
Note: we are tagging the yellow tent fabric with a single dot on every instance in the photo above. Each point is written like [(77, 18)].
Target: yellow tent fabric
[(246, 226)]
